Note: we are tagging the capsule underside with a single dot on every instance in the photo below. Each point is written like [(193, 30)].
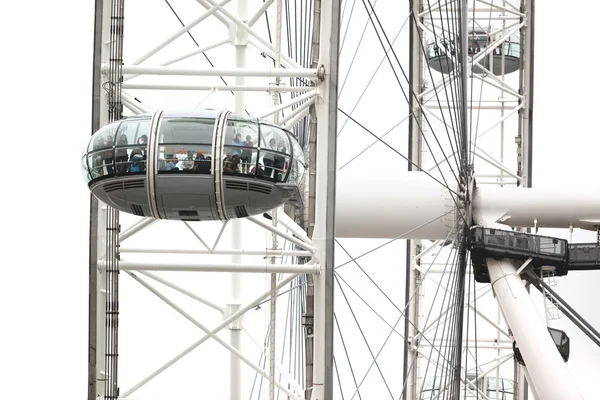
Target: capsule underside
[(204, 165)]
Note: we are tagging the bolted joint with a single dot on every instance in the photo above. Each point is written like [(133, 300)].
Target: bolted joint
[(321, 73)]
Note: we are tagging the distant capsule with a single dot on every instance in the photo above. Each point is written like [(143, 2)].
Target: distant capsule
[(199, 165), (481, 47)]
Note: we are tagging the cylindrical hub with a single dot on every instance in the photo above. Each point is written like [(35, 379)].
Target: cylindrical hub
[(408, 205), (557, 207)]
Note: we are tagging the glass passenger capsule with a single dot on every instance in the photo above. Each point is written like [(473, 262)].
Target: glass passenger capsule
[(199, 165), (441, 56)]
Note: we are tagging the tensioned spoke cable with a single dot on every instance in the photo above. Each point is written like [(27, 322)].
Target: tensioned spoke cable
[(438, 324), (475, 334), (455, 321), (444, 184), (471, 130), (467, 329), (368, 85), (367, 275), (453, 20), (346, 351), (394, 239), (444, 86), (374, 15), (362, 35), (445, 325), (343, 41), (195, 42), (451, 81), (402, 312), (393, 329), (410, 368), (375, 141), (371, 308), (337, 374), (363, 336)]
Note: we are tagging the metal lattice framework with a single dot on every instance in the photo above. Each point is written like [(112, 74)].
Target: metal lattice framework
[(244, 308)]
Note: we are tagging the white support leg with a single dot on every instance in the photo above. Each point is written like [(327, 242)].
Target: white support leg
[(549, 375)]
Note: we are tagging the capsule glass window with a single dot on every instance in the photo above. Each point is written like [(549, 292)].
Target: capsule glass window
[(275, 153), (298, 164), (185, 145), (131, 146), (84, 169), (101, 152), (240, 146)]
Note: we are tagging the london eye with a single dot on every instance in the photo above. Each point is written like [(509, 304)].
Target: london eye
[(319, 200)]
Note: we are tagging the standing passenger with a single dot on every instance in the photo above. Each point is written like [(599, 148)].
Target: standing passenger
[(247, 154), (121, 154), (108, 155)]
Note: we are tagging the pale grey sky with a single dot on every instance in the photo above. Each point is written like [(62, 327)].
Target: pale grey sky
[(46, 108)]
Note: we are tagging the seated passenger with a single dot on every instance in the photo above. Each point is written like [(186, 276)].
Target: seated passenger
[(171, 165), (234, 165), (201, 164), (188, 163), (136, 161), (227, 160), (258, 172)]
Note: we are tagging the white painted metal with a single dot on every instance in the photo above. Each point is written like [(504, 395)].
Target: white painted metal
[(556, 207), (273, 304), (101, 301), (233, 267), (230, 318), (414, 206), (421, 200), (266, 252), (245, 88), (183, 30), (239, 40), (325, 209), (408, 205), (549, 373), (241, 72), (282, 234)]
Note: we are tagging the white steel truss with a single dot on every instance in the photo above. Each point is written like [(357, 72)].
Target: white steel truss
[(259, 89)]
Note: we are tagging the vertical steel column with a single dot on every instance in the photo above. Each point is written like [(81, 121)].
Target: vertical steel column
[(93, 342), (525, 134), (240, 42), (411, 291), (324, 232), (308, 318), (104, 222), (524, 138)]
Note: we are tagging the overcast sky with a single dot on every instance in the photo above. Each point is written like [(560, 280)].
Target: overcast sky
[(46, 108)]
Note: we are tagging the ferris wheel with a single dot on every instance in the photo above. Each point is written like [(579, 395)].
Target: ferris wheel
[(253, 161)]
